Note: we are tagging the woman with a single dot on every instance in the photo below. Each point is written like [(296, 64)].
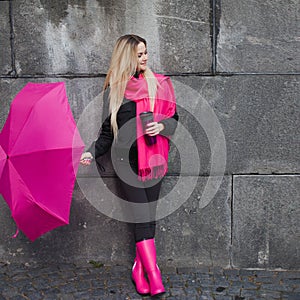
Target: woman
[(131, 89)]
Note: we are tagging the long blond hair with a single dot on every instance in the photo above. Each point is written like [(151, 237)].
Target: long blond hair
[(123, 65)]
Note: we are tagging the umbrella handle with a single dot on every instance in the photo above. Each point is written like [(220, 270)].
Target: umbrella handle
[(16, 234)]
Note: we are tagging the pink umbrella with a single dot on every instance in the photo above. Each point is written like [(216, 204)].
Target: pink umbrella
[(40, 149)]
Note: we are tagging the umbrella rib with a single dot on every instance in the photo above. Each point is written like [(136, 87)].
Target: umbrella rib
[(45, 208), (19, 133), (45, 150)]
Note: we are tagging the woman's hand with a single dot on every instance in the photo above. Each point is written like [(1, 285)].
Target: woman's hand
[(154, 128), (86, 158)]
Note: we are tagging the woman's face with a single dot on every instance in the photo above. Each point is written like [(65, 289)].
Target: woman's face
[(142, 56)]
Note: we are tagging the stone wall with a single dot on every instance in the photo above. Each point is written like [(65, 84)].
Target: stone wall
[(231, 198)]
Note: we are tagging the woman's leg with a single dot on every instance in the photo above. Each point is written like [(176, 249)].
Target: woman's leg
[(144, 236), (141, 231), (144, 215), (144, 231)]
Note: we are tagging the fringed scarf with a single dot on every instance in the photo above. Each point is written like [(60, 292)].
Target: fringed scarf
[(152, 160)]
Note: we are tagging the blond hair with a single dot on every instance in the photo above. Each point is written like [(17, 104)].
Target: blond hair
[(123, 65)]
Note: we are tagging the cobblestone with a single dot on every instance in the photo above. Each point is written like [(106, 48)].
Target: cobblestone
[(97, 281)]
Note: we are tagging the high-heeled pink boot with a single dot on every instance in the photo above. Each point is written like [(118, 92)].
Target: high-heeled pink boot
[(147, 253), (138, 276)]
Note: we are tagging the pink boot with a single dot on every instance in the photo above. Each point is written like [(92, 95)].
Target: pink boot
[(147, 253), (138, 276)]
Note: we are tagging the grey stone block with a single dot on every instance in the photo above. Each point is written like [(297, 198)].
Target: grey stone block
[(195, 236), (5, 49), (258, 36), (8, 90), (203, 237), (52, 247), (184, 29), (61, 37), (89, 236), (65, 36), (266, 221), (256, 115)]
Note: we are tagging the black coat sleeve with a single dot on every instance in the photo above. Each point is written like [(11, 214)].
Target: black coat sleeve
[(106, 137), (170, 125)]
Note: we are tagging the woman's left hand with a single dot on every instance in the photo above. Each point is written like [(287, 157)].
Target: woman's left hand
[(86, 158), (154, 128)]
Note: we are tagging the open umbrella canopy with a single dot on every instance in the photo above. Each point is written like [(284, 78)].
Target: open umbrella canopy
[(40, 149)]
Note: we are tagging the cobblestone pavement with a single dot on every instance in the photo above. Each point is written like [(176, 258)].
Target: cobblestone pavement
[(95, 281)]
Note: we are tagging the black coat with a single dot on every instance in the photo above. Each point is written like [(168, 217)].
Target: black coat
[(126, 138)]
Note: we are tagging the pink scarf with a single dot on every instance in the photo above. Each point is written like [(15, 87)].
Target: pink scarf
[(152, 160)]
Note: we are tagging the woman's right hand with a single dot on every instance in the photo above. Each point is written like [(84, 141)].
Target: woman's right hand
[(86, 158)]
